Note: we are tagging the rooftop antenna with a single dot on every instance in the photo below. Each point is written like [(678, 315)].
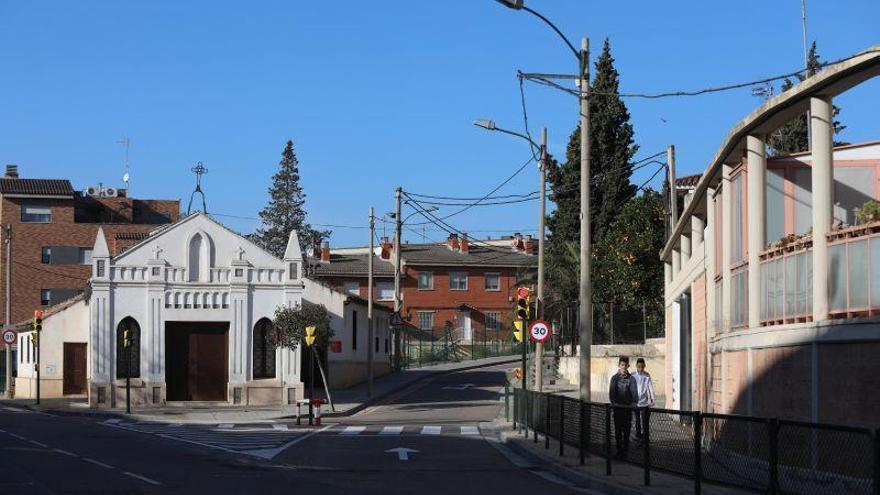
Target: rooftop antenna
[(765, 91), (199, 170), (126, 143)]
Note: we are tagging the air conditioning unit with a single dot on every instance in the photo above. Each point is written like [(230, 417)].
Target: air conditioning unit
[(91, 191), (109, 192)]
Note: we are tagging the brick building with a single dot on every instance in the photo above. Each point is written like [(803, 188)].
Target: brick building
[(468, 285), (53, 228)]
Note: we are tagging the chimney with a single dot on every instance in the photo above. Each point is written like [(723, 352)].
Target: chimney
[(11, 171), (325, 252), (385, 247), (463, 244), (452, 242), (517, 242), (529, 245)]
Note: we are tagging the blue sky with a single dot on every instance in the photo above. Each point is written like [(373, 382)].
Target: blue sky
[(377, 94)]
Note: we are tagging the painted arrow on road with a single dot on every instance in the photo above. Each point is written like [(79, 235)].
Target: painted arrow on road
[(402, 453), (459, 387)]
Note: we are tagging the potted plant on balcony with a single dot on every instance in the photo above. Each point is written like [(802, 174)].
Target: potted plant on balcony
[(868, 213)]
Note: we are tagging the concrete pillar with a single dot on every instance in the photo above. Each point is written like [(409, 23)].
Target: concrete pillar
[(667, 272), (710, 250), (697, 226), (685, 248), (726, 239), (823, 180), (676, 262), (756, 163)]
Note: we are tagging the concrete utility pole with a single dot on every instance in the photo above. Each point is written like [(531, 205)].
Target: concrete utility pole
[(673, 194), (370, 330), (585, 312), (8, 239), (539, 304), (398, 224)]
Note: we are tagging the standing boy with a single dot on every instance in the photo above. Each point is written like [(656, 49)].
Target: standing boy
[(645, 395), (623, 392)]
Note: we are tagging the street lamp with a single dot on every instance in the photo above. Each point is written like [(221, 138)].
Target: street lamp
[(539, 303), (398, 227), (585, 313)]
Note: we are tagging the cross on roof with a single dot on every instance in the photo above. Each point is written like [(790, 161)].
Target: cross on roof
[(240, 252), (157, 251)]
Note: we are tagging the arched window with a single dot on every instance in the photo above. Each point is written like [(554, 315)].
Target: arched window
[(264, 349), (195, 254), (122, 354)]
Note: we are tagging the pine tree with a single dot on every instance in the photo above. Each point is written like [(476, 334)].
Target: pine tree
[(611, 152), (793, 136), (286, 209)]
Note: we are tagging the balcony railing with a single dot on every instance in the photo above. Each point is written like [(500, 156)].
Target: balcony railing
[(787, 283), (854, 271)]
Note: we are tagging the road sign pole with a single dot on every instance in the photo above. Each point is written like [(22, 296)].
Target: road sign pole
[(39, 344), (523, 342), (311, 386), (128, 378)]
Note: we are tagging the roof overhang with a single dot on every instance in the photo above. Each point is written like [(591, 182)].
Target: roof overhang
[(832, 81), (37, 196)]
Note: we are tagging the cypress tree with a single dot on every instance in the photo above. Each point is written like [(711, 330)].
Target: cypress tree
[(286, 209), (611, 152)]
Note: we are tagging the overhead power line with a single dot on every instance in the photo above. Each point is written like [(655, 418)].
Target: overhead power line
[(546, 79)]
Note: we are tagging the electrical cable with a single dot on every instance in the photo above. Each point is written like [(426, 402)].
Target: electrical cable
[(543, 79)]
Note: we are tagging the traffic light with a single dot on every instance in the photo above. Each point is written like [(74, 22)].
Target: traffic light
[(310, 335), (518, 333), (36, 339), (38, 320), (523, 295), (126, 339)]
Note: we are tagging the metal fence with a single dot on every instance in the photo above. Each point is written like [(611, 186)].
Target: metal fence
[(424, 347), (761, 454), (612, 323)]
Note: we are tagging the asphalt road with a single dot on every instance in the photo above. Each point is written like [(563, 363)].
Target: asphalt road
[(422, 440)]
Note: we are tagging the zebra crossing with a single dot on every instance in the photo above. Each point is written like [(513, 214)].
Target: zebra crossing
[(268, 440), (264, 440), (421, 430)]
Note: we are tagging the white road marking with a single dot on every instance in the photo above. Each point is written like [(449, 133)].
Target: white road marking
[(430, 430), (470, 430), (402, 453), (353, 430), (226, 426), (112, 421), (391, 430), (142, 478), (41, 444), (97, 463), (16, 410), (279, 427), (17, 436), (71, 454), (175, 425), (2, 431), (270, 453)]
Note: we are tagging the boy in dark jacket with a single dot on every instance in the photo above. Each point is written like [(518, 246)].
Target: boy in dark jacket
[(623, 391)]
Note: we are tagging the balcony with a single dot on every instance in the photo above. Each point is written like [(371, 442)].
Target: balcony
[(853, 277)]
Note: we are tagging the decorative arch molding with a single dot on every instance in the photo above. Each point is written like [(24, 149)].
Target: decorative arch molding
[(199, 256)]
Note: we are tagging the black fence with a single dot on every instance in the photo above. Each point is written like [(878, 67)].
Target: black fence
[(761, 454), (612, 323)]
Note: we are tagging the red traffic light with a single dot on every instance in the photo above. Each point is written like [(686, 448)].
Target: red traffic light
[(522, 292), (38, 313)]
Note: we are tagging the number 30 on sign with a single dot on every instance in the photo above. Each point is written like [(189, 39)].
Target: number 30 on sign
[(539, 331)]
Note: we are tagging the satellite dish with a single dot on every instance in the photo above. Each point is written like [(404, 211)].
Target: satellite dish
[(125, 178)]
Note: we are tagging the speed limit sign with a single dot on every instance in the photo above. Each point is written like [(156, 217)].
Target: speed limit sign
[(9, 336), (539, 330)]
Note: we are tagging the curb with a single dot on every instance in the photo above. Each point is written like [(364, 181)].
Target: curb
[(568, 474)]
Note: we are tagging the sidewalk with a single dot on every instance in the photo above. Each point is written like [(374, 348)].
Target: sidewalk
[(625, 479), (346, 402)]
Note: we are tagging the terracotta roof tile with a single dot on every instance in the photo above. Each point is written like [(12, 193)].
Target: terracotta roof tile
[(36, 187)]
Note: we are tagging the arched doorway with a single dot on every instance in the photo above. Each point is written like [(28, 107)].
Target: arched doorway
[(263, 350), (128, 358)]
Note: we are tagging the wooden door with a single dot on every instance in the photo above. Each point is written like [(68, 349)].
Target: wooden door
[(74, 382), (208, 365)]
